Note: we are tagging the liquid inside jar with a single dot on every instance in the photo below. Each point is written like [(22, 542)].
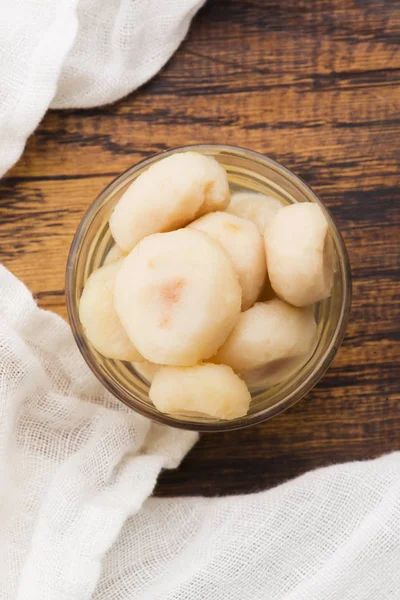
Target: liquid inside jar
[(247, 172)]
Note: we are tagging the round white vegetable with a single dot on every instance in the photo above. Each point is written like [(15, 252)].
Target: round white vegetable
[(300, 254), (212, 390), (244, 245), (178, 297), (99, 319), (270, 341), (258, 208), (170, 194)]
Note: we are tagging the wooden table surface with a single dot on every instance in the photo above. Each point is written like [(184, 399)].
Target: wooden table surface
[(314, 85)]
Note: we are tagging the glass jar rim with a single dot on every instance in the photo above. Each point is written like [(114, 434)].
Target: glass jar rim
[(312, 377)]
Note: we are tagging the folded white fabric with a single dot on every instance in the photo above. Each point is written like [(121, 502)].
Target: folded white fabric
[(74, 462), (332, 534), (76, 467), (78, 53)]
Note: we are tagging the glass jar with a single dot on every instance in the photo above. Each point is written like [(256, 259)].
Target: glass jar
[(248, 171)]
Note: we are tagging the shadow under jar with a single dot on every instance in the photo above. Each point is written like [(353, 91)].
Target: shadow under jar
[(247, 171)]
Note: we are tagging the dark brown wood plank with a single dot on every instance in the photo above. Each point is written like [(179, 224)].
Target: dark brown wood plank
[(315, 86)]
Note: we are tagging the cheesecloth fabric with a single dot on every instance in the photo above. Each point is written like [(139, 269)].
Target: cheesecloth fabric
[(78, 53), (76, 471)]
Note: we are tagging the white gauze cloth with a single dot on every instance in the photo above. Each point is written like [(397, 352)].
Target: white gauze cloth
[(78, 53), (76, 467), (75, 463)]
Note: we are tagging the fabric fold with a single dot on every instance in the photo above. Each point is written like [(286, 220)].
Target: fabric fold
[(74, 462), (79, 54)]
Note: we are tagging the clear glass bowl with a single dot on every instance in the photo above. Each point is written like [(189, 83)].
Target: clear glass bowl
[(246, 170)]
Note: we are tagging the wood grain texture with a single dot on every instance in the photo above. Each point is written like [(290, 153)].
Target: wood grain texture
[(315, 86)]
